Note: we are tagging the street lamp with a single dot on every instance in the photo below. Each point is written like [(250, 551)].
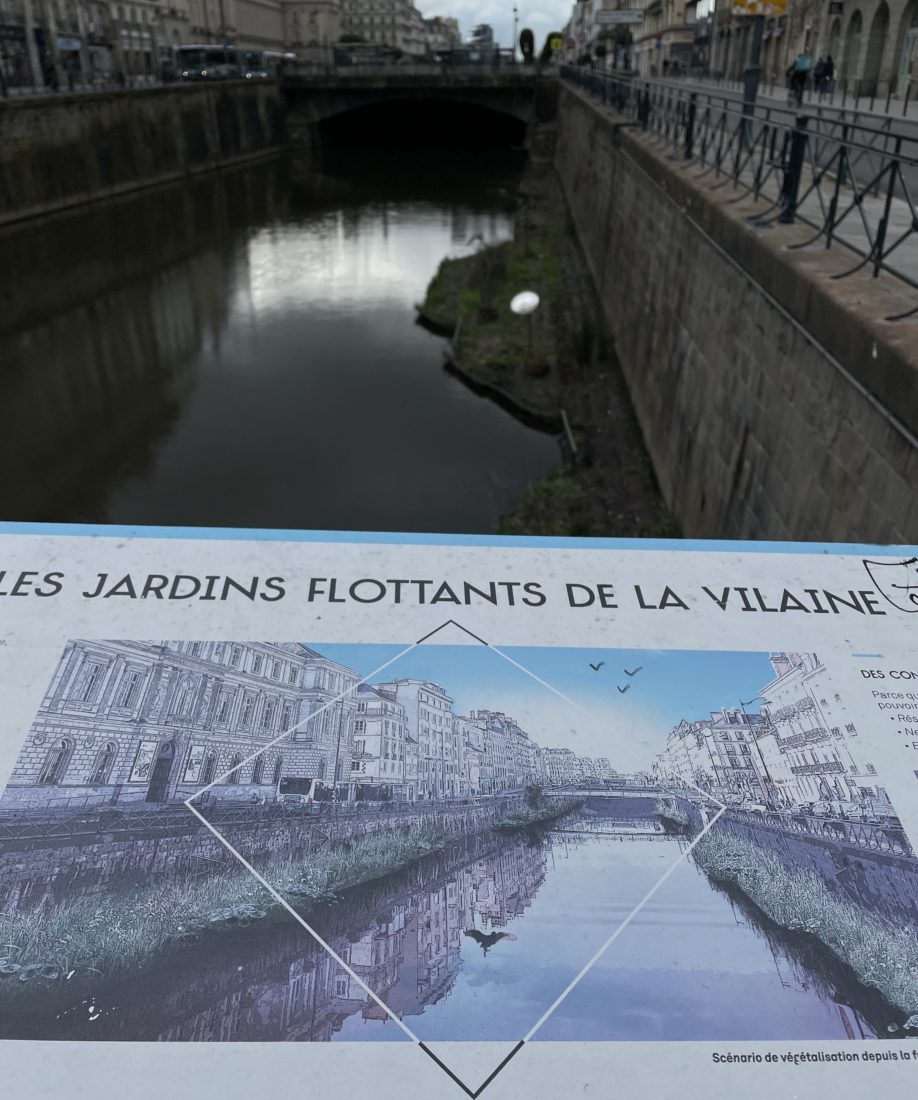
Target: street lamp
[(515, 20), (743, 704)]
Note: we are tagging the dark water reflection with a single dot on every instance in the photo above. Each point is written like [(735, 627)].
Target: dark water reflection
[(475, 943), (243, 351)]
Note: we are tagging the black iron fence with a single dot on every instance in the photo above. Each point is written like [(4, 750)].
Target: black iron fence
[(852, 180)]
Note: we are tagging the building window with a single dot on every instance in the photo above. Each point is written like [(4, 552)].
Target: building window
[(235, 765), (340, 987), (209, 769), (287, 717), (275, 670), (127, 690), (195, 649), (256, 663), (56, 763), (89, 682), (102, 768), (236, 656), (182, 700), (291, 675), (278, 770), (258, 770), (248, 711), (267, 717), (223, 709)]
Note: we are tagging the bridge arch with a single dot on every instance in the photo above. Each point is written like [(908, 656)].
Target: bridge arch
[(440, 108), (410, 121)]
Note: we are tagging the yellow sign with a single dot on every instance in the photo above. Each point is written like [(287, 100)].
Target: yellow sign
[(555, 41), (760, 7)]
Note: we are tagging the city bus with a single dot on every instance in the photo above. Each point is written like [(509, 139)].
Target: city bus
[(208, 63), (264, 64)]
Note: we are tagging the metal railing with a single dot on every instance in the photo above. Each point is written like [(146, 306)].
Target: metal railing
[(877, 838), (69, 83), (851, 180), (840, 94)]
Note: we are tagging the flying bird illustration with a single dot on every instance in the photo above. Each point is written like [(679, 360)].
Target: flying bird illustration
[(596, 668), (635, 672), (624, 689), (487, 941)]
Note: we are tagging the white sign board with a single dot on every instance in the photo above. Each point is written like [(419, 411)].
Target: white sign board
[(422, 815)]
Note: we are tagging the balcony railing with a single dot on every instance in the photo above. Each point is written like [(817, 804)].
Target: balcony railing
[(825, 767), (806, 737)]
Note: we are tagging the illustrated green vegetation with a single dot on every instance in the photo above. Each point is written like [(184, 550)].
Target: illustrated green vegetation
[(543, 812), (881, 954), (127, 929)]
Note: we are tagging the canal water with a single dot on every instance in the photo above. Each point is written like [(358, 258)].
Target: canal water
[(243, 351), (476, 943)]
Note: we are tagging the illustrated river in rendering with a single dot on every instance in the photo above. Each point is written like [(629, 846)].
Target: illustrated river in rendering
[(476, 943), (242, 350)]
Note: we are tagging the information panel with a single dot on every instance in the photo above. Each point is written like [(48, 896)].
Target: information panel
[(440, 816)]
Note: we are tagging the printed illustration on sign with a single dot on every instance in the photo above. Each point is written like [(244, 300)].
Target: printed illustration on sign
[(448, 841)]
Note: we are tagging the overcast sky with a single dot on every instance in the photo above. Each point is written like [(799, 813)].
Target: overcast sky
[(541, 16)]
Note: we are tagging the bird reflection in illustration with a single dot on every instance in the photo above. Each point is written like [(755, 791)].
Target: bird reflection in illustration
[(487, 940)]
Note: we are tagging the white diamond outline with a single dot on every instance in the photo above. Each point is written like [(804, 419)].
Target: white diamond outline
[(681, 858)]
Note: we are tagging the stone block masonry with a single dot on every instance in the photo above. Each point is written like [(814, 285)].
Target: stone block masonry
[(76, 148), (746, 364)]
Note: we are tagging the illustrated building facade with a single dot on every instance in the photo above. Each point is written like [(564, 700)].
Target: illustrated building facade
[(812, 750), (156, 721)]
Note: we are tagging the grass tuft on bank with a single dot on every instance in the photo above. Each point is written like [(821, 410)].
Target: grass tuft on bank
[(880, 953), (128, 930), (538, 814)]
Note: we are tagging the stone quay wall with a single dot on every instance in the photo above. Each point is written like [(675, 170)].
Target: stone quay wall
[(56, 153), (754, 431), (32, 869)]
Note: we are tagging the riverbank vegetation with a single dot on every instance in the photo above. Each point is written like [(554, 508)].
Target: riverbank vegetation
[(122, 931), (881, 954), (673, 818), (538, 812), (559, 358)]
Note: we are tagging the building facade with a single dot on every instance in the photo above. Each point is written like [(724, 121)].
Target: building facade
[(379, 752), (154, 722), (812, 751), (873, 44), (717, 753), (430, 723)]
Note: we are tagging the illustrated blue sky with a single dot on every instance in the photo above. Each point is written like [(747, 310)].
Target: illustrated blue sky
[(627, 727)]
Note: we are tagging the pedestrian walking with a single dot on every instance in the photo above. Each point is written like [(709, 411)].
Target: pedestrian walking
[(819, 77), (829, 76)]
